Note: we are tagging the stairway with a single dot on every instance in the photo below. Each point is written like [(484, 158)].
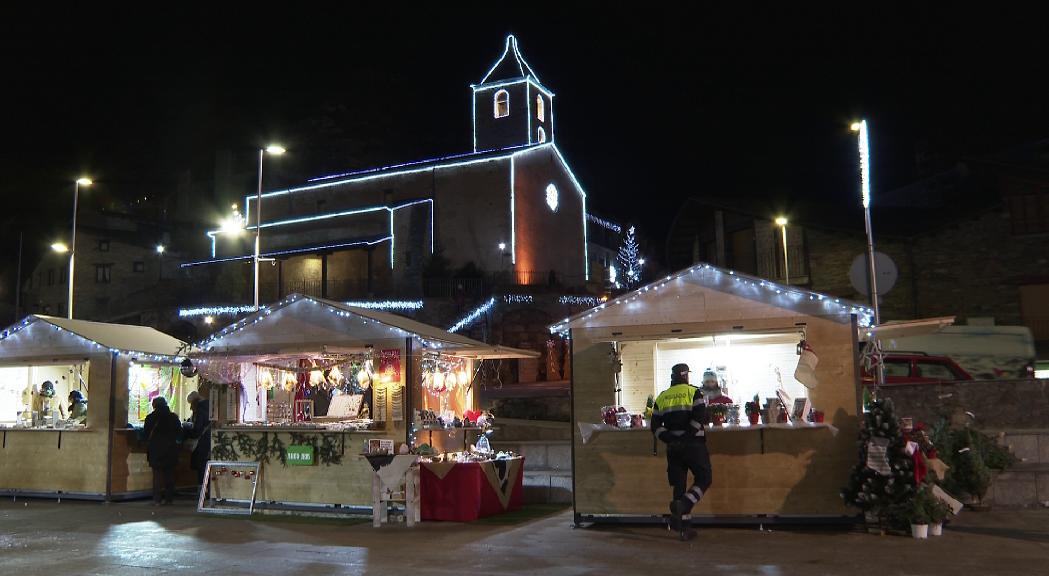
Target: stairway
[(1025, 484)]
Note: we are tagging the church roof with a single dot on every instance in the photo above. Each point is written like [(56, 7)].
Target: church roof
[(511, 65)]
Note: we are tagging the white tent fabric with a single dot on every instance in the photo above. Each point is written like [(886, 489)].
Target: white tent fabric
[(40, 335), (303, 323)]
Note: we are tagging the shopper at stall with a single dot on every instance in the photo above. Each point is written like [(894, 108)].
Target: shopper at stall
[(712, 389), (161, 429), (200, 429), (77, 406), (678, 419)]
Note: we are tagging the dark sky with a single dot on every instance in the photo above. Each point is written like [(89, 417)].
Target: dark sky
[(654, 102)]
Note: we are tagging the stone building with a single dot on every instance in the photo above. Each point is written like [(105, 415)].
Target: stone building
[(972, 242)]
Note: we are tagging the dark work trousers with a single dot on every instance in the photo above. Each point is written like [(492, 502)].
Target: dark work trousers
[(163, 480), (685, 457)]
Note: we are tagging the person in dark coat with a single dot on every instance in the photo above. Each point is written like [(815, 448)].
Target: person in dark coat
[(161, 429), (201, 430)]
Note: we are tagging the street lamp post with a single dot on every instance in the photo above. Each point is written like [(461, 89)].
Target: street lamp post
[(865, 192), (782, 223), (275, 151), (72, 244)]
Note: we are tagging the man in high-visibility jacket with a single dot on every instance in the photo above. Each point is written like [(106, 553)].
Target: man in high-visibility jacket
[(678, 419)]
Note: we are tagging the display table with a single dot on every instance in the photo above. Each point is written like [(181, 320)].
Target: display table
[(588, 431), (462, 492)]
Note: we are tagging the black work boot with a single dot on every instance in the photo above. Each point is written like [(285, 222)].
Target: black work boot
[(674, 520)]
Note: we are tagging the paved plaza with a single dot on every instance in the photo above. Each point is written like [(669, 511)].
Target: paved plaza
[(47, 537)]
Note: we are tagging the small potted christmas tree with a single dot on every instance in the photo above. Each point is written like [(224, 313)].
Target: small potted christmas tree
[(753, 410), (938, 512), (920, 513)]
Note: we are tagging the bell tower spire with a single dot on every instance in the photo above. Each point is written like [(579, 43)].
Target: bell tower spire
[(511, 107)]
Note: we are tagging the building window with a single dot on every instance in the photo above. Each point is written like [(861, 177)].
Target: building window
[(502, 104), (540, 135), (540, 108), (103, 245), (103, 273), (551, 197), (1029, 213), (138, 266), (50, 276)]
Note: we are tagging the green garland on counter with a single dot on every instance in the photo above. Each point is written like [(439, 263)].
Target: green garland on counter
[(329, 448)]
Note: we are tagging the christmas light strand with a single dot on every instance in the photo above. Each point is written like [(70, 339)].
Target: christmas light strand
[(738, 283)]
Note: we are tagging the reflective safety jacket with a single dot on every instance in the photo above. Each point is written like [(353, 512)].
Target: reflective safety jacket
[(679, 414)]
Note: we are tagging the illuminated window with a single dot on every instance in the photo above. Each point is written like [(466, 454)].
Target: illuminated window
[(502, 104), (541, 135), (551, 197), (540, 110)]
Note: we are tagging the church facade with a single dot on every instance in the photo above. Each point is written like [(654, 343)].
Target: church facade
[(511, 206)]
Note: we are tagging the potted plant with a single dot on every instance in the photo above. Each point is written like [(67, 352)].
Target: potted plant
[(718, 413), (938, 512), (753, 410), (918, 515)]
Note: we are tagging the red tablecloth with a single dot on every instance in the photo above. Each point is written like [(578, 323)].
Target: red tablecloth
[(468, 491)]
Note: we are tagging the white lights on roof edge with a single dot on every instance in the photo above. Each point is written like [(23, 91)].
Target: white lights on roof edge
[(865, 315), (134, 355), (265, 311), (605, 223), (473, 315)]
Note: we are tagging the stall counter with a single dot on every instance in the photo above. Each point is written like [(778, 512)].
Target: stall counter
[(338, 476)]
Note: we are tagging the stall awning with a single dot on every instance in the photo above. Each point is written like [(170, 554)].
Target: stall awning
[(39, 335), (300, 324), (905, 328)]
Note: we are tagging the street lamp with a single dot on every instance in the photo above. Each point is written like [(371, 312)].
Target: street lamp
[(273, 150), (72, 248), (865, 193), (160, 248), (782, 223), (60, 247)]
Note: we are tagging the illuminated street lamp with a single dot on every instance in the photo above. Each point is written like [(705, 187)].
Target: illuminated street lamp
[(60, 247), (72, 245), (865, 196), (273, 150), (782, 223), (160, 248)]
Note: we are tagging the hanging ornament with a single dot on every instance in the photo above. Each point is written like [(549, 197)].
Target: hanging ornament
[(438, 382), (450, 381), (265, 379), (289, 382), (316, 378), (364, 380)]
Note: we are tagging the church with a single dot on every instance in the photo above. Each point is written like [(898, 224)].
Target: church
[(511, 206)]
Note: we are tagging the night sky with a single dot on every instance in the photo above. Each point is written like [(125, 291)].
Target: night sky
[(654, 103)]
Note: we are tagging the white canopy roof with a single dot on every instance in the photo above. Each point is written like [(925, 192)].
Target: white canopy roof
[(678, 298), (307, 323), (38, 335)]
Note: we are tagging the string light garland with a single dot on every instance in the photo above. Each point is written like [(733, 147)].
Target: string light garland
[(473, 315), (578, 300), (214, 311), (209, 343), (738, 282), (518, 299), (605, 223), (133, 355)]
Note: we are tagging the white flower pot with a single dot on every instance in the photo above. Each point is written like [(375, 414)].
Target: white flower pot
[(920, 531), (936, 529)]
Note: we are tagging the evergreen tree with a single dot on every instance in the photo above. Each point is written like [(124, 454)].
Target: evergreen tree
[(882, 485), (629, 260)]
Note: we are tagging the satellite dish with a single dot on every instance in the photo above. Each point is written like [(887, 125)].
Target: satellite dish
[(884, 267)]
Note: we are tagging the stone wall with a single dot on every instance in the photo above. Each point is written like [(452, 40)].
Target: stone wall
[(996, 404)]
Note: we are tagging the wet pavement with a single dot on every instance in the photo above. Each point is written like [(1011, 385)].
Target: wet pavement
[(45, 537)]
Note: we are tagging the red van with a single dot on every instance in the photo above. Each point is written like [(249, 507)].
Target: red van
[(918, 368)]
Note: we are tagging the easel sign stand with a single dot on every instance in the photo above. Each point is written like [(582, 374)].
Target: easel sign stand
[(251, 471), (391, 472)]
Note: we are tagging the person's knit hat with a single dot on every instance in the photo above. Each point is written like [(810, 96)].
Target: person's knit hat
[(678, 373)]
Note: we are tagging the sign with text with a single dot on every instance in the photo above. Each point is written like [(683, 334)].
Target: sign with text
[(300, 455)]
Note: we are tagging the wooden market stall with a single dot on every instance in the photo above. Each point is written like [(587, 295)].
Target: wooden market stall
[(47, 450), (749, 332), (305, 386)]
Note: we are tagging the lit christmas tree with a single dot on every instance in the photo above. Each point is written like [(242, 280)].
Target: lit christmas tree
[(882, 482), (629, 260)]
